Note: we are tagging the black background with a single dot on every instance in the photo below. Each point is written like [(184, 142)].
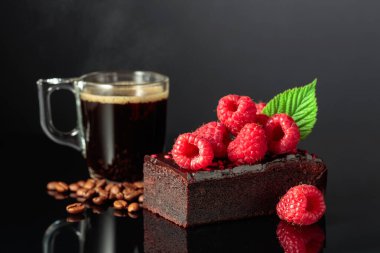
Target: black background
[(208, 49)]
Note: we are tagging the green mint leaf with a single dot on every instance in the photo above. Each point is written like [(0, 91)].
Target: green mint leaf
[(300, 103)]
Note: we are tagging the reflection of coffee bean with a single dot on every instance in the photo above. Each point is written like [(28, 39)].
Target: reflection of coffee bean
[(120, 204), (120, 213), (75, 208), (75, 218), (61, 187), (133, 207)]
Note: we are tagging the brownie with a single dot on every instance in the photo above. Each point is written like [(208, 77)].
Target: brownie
[(225, 192)]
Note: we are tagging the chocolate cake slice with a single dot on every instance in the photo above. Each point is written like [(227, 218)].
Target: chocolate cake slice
[(219, 194)]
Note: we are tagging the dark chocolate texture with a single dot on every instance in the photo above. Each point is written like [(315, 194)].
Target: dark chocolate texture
[(193, 198)]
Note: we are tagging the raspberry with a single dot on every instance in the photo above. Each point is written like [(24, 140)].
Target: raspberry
[(217, 134), (302, 205), (192, 152), (300, 239), (259, 107), (235, 111), (282, 133), (262, 119), (249, 146)]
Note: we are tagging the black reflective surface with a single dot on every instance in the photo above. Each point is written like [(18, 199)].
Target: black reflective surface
[(28, 211)]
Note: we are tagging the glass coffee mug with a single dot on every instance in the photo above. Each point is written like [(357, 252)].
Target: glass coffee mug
[(121, 116)]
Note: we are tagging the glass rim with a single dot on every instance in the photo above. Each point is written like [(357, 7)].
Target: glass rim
[(158, 79)]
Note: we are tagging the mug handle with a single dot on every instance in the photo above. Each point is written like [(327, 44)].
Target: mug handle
[(46, 87), (54, 229)]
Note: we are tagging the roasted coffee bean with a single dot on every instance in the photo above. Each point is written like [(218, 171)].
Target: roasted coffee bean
[(141, 198), (131, 196), (61, 187), (60, 196), (139, 184), (75, 218), (73, 195), (81, 192), (75, 208), (115, 189), (89, 194), (99, 200), (127, 191), (90, 184), (51, 186), (119, 195), (101, 183), (120, 204), (128, 185), (73, 187), (81, 183), (133, 207), (109, 186), (103, 193), (81, 199)]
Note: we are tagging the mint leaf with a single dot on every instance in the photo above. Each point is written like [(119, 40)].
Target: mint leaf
[(300, 103)]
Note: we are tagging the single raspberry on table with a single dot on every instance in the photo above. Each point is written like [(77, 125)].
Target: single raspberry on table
[(282, 133), (259, 107), (308, 239), (303, 205), (192, 152), (217, 134), (235, 111), (249, 146)]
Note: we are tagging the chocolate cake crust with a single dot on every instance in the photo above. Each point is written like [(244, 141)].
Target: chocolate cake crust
[(207, 196)]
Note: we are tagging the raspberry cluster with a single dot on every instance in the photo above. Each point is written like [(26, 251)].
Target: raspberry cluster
[(243, 135)]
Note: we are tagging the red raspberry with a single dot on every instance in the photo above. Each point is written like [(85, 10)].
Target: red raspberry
[(282, 133), (192, 152), (235, 111), (262, 119), (249, 146), (298, 239), (259, 107), (217, 134), (303, 205)]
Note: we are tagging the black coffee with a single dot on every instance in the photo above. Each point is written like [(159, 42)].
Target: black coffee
[(119, 131)]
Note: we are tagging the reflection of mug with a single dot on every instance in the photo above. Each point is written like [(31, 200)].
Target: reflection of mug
[(121, 117), (96, 234)]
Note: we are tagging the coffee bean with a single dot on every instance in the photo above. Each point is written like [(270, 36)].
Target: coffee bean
[(131, 196), (61, 187), (119, 195), (51, 186), (99, 200), (120, 204), (81, 192), (141, 198), (103, 193), (90, 184), (89, 194), (127, 191), (73, 187), (139, 184), (60, 196), (128, 185), (101, 183), (115, 189), (73, 195), (75, 208), (98, 209), (81, 183), (108, 187), (81, 199), (133, 207), (133, 215)]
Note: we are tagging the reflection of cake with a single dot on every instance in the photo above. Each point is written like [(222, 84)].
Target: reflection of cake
[(240, 166), (189, 199)]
